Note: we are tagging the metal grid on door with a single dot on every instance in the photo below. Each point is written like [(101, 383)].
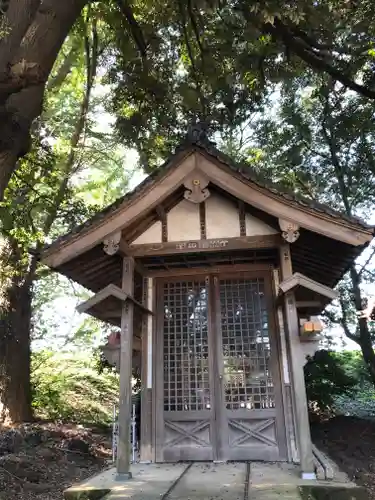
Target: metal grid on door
[(185, 346), (246, 345)]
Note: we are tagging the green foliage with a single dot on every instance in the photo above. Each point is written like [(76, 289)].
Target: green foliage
[(317, 134), (178, 62), (319, 142), (75, 166), (328, 376), (68, 387), (339, 383), (361, 405)]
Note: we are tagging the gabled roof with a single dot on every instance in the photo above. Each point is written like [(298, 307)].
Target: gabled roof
[(343, 239), (242, 170)]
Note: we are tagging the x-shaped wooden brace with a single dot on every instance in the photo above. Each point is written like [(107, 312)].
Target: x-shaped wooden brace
[(253, 432), (187, 433)]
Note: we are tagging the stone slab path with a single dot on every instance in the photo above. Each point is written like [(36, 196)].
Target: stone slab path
[(210, 481)]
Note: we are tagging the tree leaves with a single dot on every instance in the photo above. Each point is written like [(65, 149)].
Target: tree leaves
[(320, 142)]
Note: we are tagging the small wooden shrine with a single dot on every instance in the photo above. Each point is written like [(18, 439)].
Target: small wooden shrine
[(216, 278)]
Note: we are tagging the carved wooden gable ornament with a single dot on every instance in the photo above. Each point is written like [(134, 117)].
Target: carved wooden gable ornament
[(196, 188)]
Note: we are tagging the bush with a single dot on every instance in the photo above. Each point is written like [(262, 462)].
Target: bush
[(361, 404), (328, 375), (68, 387)]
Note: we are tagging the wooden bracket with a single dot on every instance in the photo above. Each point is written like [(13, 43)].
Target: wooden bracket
[(111, 244), (289, 230)]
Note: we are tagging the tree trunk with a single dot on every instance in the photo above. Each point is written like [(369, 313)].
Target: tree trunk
[(15, 325), (19, 275), (15, 356), (363, 333), (27, 54)]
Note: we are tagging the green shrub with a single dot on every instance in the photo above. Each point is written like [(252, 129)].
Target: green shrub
[(361, 404), (68, 387), (328, 375)]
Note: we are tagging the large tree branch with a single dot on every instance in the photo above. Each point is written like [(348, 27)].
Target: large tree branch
[(363, 268), (313, 57), (191, 57), (345, 324), (17, 20), (64, 69), (37, 53), (134, 27)]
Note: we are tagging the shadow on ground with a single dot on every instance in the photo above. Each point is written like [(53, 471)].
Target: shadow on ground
[(332, 493)]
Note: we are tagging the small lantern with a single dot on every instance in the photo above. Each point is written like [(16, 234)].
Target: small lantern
[(311, 326)]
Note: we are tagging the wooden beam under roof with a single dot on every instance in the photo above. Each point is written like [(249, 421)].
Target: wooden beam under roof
[(210, 245)]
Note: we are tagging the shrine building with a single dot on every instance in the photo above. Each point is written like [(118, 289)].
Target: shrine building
[(216, 278)]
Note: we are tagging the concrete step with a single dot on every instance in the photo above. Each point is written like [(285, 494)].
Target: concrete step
[(210, 481), (149, 482)]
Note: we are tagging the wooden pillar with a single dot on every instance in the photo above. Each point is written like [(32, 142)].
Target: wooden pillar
[(285, 376), (126, 354), (296, 364), (146, 377)]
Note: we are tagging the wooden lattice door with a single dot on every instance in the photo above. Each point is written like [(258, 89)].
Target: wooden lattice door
[(249, 370), (217, 391), (185, 413)]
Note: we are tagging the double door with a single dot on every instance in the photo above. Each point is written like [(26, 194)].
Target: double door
[(217, 391)]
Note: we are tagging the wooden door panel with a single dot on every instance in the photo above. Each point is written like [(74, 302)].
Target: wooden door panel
[(254, 439), (187, 437), (217, 394), (247, 369), (185, 406)]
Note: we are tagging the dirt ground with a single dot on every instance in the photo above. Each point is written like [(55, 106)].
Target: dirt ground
[(40, 461), (350, 442)]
